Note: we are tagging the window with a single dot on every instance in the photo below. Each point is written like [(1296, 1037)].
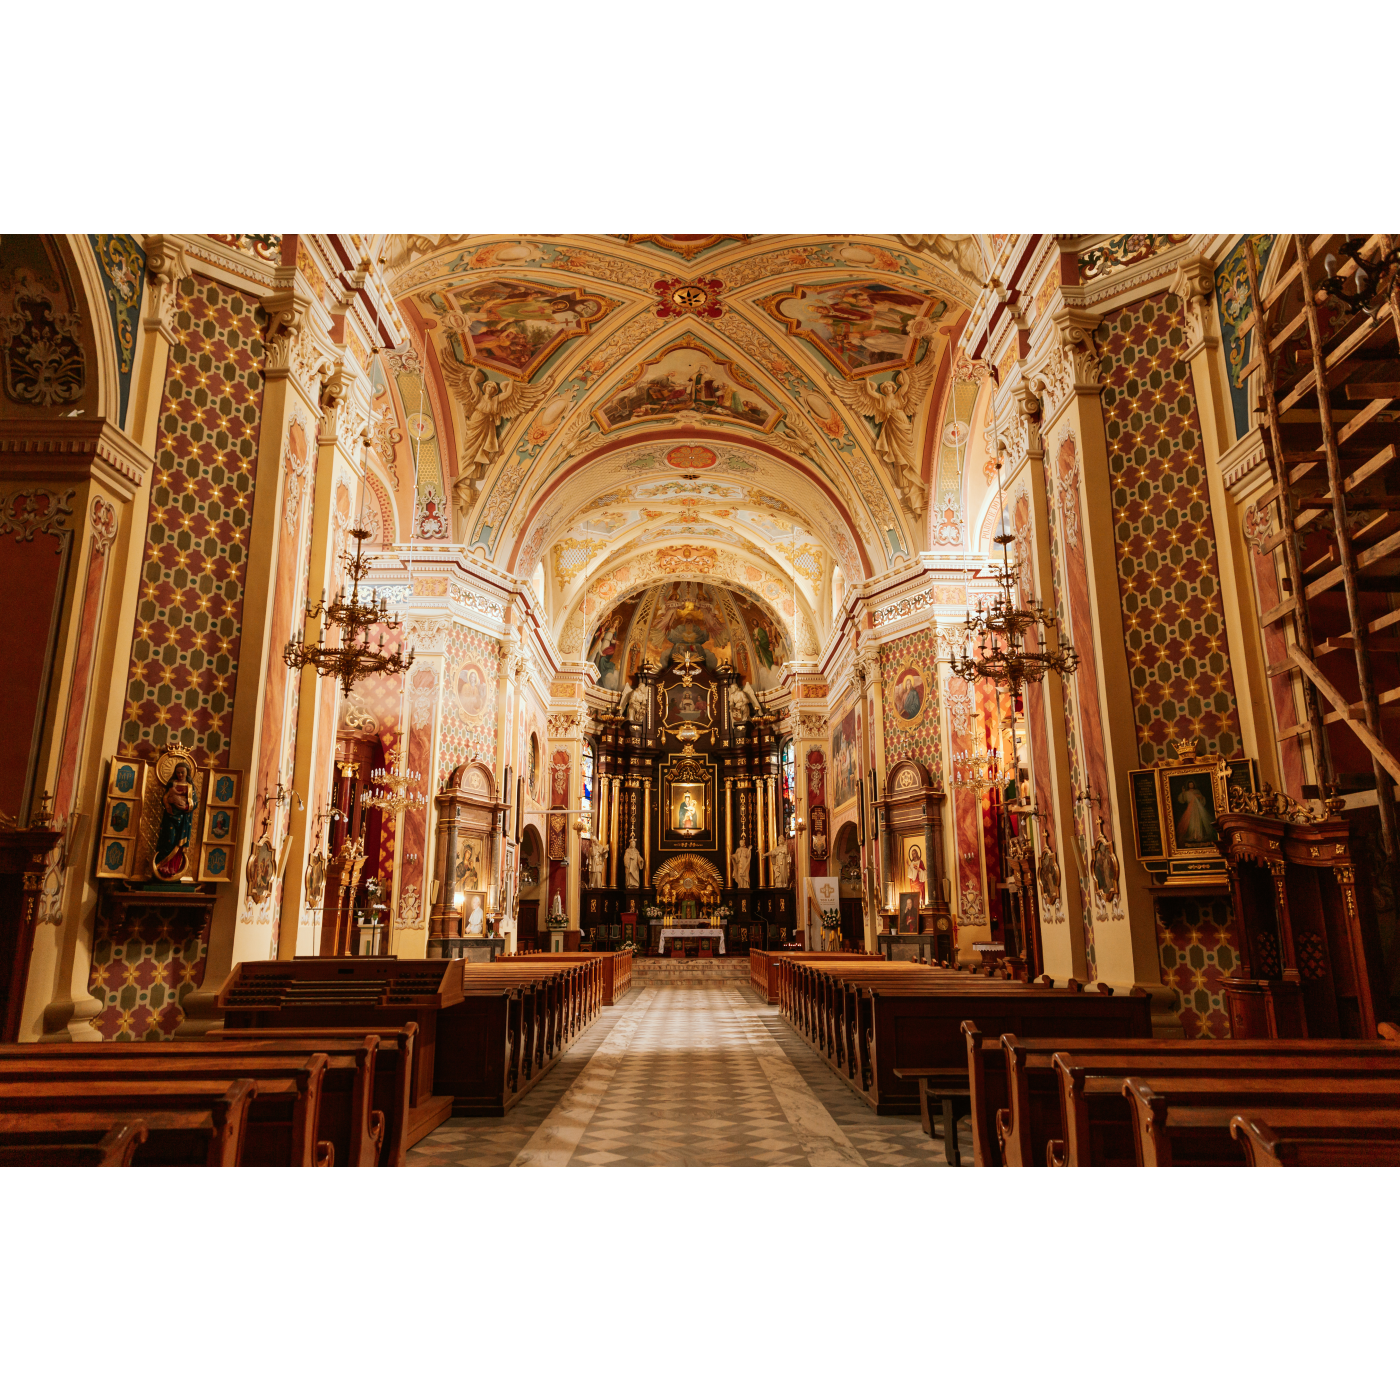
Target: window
[(588, 777), (789, 786)]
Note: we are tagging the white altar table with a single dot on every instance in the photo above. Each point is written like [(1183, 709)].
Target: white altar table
[(687, 929)]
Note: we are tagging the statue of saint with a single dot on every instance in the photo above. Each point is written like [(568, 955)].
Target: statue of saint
[(171, 859), (739, 865), (476, 920), (557, 912), (637, 704), (597, 864), (739, 709), (632, 861), (781, 867)]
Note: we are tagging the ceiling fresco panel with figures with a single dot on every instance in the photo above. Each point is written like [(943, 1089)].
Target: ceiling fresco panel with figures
[(754, 437)]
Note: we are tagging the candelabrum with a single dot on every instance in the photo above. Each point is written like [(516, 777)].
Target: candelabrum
[(395, 792), (362, 652), (997, 634), (979, 775)]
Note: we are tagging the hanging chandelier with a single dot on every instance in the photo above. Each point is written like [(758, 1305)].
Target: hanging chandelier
[(979, 775), (362, 653), (994, 639), (394, 792)]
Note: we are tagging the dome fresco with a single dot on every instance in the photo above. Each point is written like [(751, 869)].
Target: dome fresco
[(720, 625)]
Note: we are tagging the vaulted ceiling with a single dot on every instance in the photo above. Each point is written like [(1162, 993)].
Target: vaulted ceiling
[(620, 408)]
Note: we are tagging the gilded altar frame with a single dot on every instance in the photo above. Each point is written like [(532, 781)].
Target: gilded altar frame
[(688, 776)]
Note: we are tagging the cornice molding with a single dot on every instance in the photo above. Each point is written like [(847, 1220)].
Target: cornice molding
[(72, 449)]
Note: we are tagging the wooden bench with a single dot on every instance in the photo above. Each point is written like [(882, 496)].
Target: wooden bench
[(281, 1121), (67, 1148), (366, 1093), (1313, 1137), (616, 969), (919, 1031), (191, 1123), (1019, 1102), (364, 994), (1187, 1121)]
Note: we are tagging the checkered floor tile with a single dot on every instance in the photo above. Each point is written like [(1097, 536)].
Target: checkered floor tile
[(703, 1076)]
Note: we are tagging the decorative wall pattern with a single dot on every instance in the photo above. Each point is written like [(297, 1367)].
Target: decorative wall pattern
[(184, 657), (143, 974), (1197, 947), (924, 743), (469, 701), (1168, 576)]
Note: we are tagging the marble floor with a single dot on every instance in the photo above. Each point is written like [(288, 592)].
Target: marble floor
[(690, 1076)]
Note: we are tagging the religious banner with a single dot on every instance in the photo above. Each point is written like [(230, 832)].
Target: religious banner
[(823, 893)]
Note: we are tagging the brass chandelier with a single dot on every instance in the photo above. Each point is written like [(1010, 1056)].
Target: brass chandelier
[(361, 653), (395, 790), (994, 639)]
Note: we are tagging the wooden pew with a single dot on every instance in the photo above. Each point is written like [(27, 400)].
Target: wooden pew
[(1186, 1121), (366, 1091), (615, 968), (1099, 1127), (115, 1148), (189, 1123), (363, 994), (1030, 1106), (1343, 1137), (281, 1122)]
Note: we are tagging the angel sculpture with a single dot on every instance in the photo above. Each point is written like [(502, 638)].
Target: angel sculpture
[(487, 404), (893, 406)]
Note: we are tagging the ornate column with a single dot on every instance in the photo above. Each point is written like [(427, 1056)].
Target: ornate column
[(612, 833), (646, 832), (728, 833)]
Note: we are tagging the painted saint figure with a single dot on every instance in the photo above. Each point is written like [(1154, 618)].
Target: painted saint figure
[(172, 853), (476, 920), (1195, 826), (917, 873), (690, 813)]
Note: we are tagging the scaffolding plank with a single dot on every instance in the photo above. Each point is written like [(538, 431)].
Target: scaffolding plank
[(1339, 702)]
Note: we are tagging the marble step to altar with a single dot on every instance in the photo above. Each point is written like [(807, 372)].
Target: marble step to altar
[(684, 972)]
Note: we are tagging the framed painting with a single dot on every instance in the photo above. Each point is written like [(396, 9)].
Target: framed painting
[(911, 694), (908, 913), (1190, 797)]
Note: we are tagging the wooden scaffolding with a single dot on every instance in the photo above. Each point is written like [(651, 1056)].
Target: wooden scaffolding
[(1326, 347)]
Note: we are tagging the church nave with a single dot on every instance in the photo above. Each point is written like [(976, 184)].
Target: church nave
[(692, 1076)]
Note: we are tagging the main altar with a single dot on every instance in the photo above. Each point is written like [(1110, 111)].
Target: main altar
[(687, 820)]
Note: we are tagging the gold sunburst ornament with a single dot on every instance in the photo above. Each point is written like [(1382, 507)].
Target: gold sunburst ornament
[(361, 653)]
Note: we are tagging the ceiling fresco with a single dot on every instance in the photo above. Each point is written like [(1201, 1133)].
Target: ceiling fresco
[(620, 392), (719, 626)]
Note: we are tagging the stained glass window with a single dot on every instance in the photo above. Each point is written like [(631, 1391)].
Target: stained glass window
[(588, 777)]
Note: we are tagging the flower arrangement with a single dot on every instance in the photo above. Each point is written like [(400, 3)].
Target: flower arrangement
[(652, 911), (724, 911), (831, 918)]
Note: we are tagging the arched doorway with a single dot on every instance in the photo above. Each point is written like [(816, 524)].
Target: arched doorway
[(528, 918), (846, 851)]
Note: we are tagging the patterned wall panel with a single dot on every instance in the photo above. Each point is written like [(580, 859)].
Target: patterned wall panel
[(469, 705), (923, 743), (184, 657), (143, 971), (1196, 944), (1168, 575)]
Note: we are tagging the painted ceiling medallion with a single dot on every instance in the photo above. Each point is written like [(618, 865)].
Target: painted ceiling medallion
[(681, 298), (689, 458)]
